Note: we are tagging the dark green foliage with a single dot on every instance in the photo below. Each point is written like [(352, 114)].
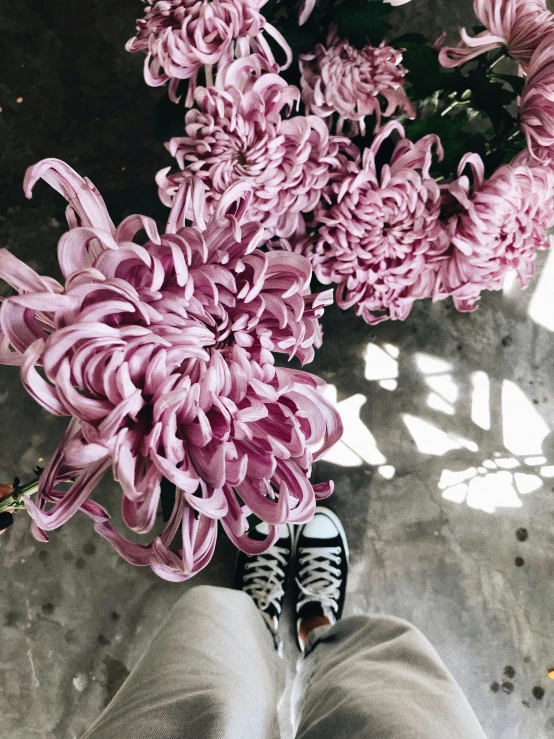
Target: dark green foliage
[(359, 21), (362, 21), (516, 83), (455, 139), (471, 108), (491, 99), (425, 75), (302, 39)]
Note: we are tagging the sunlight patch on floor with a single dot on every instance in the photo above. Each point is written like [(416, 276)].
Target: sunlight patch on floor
[(429, 364), (431, 440), (523, 428), (480, 400), (387, 471), (437, 403), (379, 364), (358, 445), (541, 306)]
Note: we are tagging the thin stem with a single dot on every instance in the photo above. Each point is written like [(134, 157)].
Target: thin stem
[(514, 135), (14, 501), (498, 59), (455, 104)]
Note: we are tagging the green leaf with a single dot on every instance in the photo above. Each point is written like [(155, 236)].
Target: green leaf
[(425, 74), (362, 21), (491, 98), (516, 83), (455, 139), (301, 39), (270, 9), (503, 151), (167, 498)]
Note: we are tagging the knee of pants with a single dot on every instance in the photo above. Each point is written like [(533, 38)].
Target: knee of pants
[(398, 630), (392, 627), (375, 636), (207, 596)]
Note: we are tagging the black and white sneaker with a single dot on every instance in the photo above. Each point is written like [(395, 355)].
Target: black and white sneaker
[(264, 576), (321, 569)]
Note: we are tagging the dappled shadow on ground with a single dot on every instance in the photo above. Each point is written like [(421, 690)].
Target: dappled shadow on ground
[(472, 390)]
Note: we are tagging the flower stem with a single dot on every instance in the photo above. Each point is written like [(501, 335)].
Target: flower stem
[(14, 501), (498, 59)]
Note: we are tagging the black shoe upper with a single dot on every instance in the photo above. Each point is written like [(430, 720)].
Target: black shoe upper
[(265, 576), (321, 567), (308, 543)]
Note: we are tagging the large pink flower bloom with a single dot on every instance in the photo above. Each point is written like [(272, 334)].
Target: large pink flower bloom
[(182, 36), (519, 25), (497, 226), (537, 102), (237, 134), (352, 83), (162, 354), (378, 230)]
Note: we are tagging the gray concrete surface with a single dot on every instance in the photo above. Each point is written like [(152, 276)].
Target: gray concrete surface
[(449, 449)]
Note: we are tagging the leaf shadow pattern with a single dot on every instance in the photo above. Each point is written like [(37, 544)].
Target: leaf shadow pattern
[(460, 400)]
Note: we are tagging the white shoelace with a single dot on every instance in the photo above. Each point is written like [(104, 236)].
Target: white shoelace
[(318, 578), (264, 577)]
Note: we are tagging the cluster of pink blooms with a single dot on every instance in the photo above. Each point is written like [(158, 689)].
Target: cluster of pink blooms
[(385, 236), (181, 37), (161, 349), (340, 79), (389, 238), (162, 354), (237, 133)]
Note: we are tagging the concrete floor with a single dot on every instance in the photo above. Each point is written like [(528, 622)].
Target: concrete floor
[(447, 461)]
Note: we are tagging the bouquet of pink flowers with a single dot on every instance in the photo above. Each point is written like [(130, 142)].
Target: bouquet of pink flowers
[(391, 168)]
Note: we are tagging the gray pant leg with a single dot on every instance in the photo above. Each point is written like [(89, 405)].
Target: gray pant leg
[(378, 678), (211, 672)]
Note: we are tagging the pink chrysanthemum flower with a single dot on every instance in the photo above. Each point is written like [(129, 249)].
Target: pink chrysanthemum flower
[(180, 37), (162, 354), (377, 230), (518, 25), (497, 226), (352, 83), (237, 135), (537, 102)]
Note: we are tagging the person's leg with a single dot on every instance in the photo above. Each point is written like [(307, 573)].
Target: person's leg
[(364, 677), (212, 672), (378, 677)]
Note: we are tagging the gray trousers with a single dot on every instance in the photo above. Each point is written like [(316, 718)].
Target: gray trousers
[(212, 672)]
